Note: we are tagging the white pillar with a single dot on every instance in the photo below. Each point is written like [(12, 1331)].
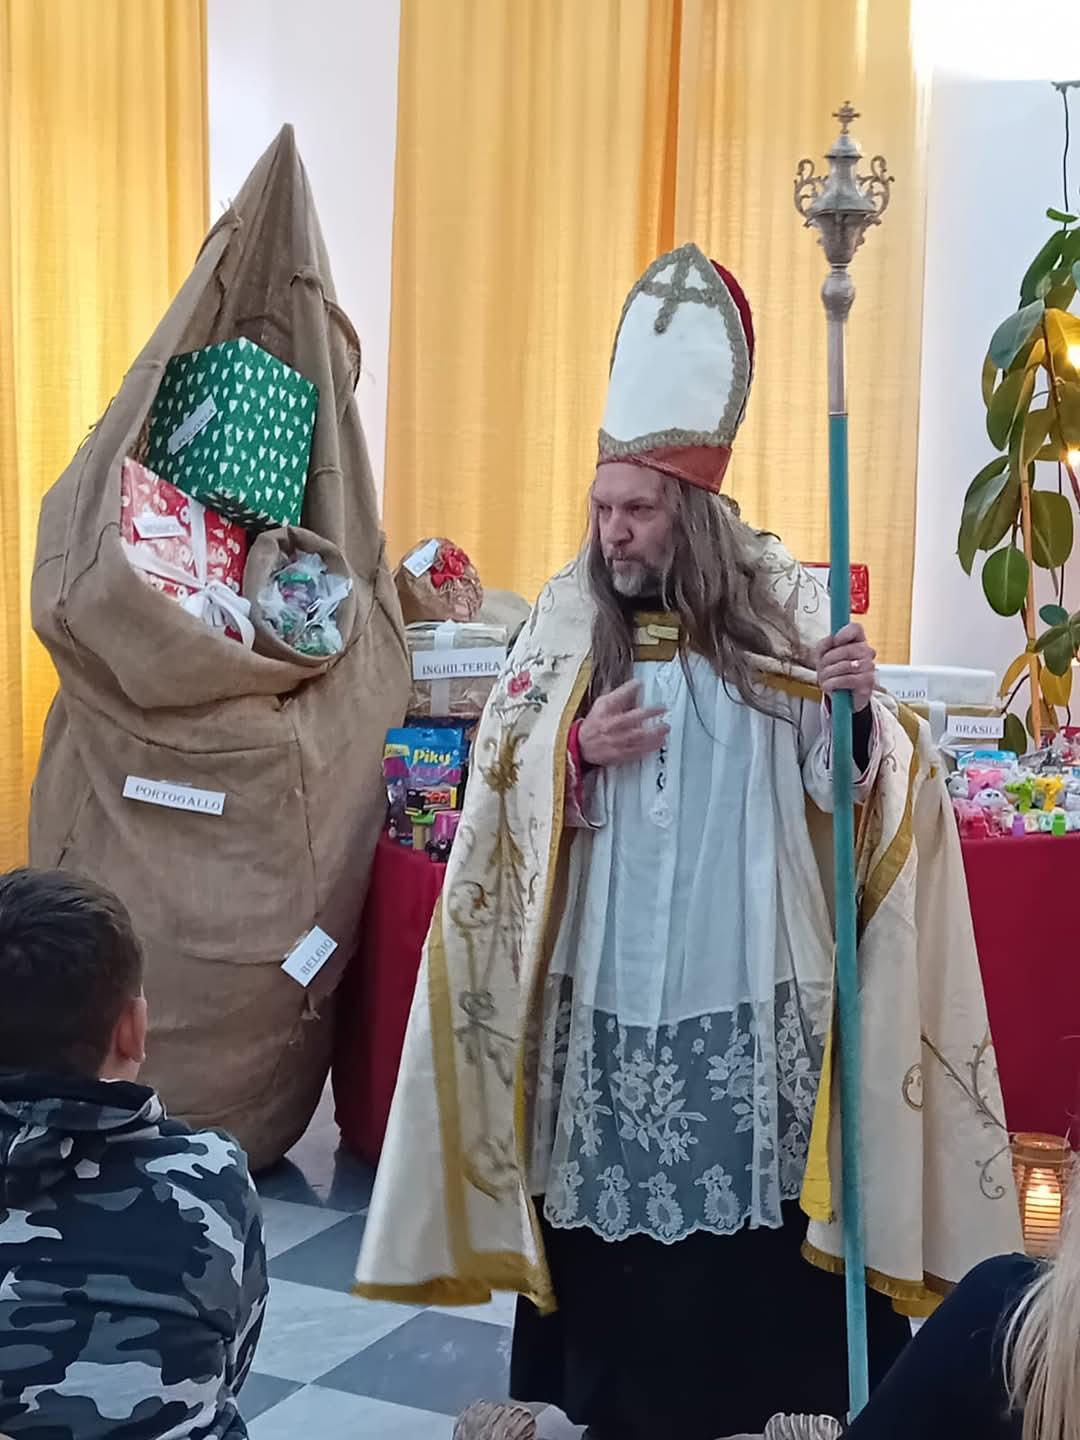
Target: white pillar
[(328, 67)]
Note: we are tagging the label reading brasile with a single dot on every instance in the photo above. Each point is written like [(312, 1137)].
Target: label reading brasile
[(312, 953), (174, 797), (975, 727)]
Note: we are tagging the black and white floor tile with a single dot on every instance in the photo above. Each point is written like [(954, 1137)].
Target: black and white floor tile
[(339, 1368)]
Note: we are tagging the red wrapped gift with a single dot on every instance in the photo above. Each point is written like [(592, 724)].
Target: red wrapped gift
[(186, 551), (860, 584)]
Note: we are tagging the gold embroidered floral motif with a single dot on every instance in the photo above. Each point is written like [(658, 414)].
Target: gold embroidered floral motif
[(913, 1088)]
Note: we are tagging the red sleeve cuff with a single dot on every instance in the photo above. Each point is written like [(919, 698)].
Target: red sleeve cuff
[(575, 771)]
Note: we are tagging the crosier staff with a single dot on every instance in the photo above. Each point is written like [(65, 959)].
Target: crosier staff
[(841, 206)]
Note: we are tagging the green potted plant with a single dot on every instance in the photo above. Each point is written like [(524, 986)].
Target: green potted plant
[(1019, 508)]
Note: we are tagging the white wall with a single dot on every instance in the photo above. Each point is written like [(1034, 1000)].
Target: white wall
[(995, 166), (328, 67)]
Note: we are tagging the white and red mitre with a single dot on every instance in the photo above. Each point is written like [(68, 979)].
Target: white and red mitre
[(680, 370)]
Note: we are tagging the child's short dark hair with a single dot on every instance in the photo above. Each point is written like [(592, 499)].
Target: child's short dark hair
[(69, 962)]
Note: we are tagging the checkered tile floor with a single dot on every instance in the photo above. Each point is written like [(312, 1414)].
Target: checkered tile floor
[(338, 1368)]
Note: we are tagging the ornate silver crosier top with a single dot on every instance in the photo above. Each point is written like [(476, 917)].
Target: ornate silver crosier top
[(842, 205)]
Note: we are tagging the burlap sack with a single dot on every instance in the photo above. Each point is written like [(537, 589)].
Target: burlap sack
[(148, 691)]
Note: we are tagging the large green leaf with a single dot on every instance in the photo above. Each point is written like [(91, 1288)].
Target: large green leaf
[(1036, 429), (1061, 289), (1051, 529), (1048, 258), (1063, 333), (1005, 580), (1049, 717), (1058, 646), (1012, 395), (1060, 654), (1015, 738), (990, 495), (1013, 334), (989, 380), (1069, 412)]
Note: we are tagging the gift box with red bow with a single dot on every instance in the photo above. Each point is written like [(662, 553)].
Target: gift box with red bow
[(437, 581), (185, 551)]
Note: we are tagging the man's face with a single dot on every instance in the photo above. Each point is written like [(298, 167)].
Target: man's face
[(633, 511)]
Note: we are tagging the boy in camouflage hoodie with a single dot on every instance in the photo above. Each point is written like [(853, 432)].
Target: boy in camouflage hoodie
[(132, 1268)]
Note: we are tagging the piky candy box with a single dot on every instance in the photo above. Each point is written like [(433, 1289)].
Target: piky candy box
[(232, 426), (179, 547)]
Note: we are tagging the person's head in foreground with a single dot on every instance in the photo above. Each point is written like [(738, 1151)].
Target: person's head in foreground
[(661, 535), (71, 974), (131, 1248), (1042, 1343), (1000, 1360)]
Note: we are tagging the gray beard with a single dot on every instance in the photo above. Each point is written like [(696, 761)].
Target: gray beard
[(639, 580)]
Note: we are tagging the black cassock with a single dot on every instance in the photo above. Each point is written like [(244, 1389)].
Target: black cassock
[(707, 1337)]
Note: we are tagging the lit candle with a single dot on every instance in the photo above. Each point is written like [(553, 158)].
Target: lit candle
[(1042, 1212)]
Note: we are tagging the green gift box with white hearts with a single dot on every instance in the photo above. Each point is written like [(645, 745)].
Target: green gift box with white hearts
[(232, 426)]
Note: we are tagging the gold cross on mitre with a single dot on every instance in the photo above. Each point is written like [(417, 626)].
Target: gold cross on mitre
[(676, 291)]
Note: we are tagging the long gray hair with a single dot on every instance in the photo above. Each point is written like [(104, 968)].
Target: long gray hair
[(716, 585)]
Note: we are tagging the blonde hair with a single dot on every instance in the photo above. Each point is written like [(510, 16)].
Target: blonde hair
[(1042, 1344)]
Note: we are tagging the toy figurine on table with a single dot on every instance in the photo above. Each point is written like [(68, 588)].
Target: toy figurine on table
[(995, 793)]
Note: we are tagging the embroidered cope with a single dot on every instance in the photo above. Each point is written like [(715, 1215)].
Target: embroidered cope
[(688, 997)]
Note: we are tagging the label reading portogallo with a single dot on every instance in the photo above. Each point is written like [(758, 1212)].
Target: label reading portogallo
[(174, 797)]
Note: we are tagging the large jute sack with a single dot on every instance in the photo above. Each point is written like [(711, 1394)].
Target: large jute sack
[(148, 691)]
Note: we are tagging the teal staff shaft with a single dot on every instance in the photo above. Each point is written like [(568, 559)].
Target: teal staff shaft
[(847, 976)]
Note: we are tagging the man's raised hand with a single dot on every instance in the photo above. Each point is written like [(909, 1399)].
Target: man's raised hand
[(617, 730)]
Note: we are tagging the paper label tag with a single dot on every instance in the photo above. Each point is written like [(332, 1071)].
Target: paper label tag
[(482, 663), (305, 962), (421, 561), (911, 690), (174, 797), (159, 527), (186, 431), (975, 727)]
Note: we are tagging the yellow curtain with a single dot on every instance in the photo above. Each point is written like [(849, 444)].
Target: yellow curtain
[(758, 84), (546, 152), (534, 146), (103, 204)]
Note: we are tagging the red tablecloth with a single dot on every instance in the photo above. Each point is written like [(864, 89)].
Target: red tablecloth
[(374, 999), (1020, 891), (1021, 901)]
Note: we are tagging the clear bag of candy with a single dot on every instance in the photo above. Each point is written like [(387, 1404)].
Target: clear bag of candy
[(299, 603)]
